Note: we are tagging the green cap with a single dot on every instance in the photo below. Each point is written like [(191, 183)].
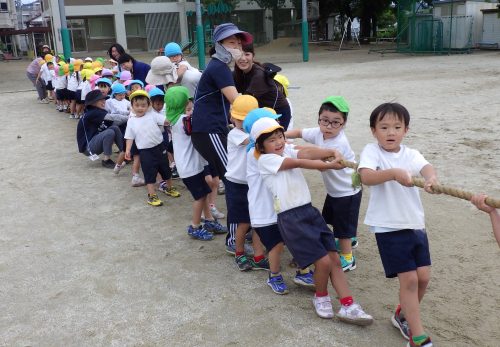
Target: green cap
[(176, 99), (71, 68), (339, 102)]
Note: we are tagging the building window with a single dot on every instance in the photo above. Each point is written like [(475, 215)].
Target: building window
[(3, 6), (101, 27), (135, 26)]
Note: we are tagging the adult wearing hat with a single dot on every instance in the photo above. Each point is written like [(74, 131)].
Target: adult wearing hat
[(216, 92), (32, 72), (97, 130), (138, 69), (45, 50), (257, 79)]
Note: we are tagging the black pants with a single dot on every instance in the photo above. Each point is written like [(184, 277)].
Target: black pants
[(213, 148)]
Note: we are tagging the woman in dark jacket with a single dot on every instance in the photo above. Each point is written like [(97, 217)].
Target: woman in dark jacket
[(250, 77), (138, 69)]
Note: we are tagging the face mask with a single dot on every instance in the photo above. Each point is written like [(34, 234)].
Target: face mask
[(235, 53)]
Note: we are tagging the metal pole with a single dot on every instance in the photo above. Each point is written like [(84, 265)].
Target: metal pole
[(305, 32), (64, 31), (200, 37)]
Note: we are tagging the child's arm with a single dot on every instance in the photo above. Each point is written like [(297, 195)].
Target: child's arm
[(429, 174), (293, 134), (314, 152), (180, 71), (311, 164), (478, 201), (128, 147), (372, 177)]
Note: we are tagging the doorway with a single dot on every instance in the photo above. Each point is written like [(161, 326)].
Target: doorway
[(78, 39)]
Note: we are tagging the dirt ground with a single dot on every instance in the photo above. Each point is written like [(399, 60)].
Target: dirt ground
[(85, 262)]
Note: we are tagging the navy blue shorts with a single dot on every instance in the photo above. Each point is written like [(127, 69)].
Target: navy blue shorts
[(306, 234), (269, 235), (403, 250), (78, 96), (49, 86), (153, 162), (71, 95), (61, 94), (237, 202), (342, 214), (133, 149), (197, 185)]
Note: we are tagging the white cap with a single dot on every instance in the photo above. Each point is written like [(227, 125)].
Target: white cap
[(263, 126), (89, 59)]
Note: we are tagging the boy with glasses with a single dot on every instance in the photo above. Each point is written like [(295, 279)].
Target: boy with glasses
[(341, 208)]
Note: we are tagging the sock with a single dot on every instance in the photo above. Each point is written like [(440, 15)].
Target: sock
[(304, 271), (238, 254), (347, 256), (258, 258), (418, 340), (321, 294), (274, 274), (347, 301)]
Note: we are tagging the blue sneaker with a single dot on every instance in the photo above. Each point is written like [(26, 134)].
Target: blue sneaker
[(231, 249), (348, 265), (214, 227), (304, 280), (277, 284), (199, 233)]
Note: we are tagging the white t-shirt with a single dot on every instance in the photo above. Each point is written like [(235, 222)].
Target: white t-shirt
[(289, 187), (260, 199), (393, 206), (118, 107), (46, 73), (60, 82), (338, 183), (190, 80), (86, 88), (144, 130), (73, 81), (236, 156), (187, 159)]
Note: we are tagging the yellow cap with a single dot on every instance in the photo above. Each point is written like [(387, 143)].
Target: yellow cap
[(87, 65), (48, 57), (139, 92), (242, 105), (281, 79)]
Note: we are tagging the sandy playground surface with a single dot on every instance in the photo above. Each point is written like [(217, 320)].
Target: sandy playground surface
[(85, 262)]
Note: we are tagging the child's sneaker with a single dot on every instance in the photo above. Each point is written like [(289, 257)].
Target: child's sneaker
[(72, 116), (108, 164), (214, 227), (137, 181), (153, 200), (199, 233), (243, 263), (426, 343), (354, 242), (221, 190), (175, 174), (323, 306), (231, 249), (262, 264), (118, 168), (277, 284), (354, 314), (60, 109), (400, 322), (169, 191), (216, 213), (347, 265), (304, 280)]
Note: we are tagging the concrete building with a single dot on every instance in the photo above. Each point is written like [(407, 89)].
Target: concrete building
[(8, 21), (135, 24)]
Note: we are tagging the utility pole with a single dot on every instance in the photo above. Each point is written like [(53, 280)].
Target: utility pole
[(64, 31), (200, 37), (305, 32)]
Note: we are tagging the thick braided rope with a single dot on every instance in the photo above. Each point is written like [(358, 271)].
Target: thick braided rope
[(455, 192)]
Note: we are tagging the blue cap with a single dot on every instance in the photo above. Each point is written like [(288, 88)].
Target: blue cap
[(225, 30), (255, 115), (118, 88), (155, 92), (103, 80), (172, 49), (135, 82)]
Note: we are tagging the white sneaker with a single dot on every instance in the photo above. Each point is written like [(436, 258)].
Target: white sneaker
[(43, 101), (323, 306), (354, 314), (118, 167), (221, 190), (216, 213), (72, 116), (137, 181)]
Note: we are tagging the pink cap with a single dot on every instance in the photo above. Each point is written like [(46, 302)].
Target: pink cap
[(126, 83), (106, 72), (125, 75), (92, 80), (148, 87)]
